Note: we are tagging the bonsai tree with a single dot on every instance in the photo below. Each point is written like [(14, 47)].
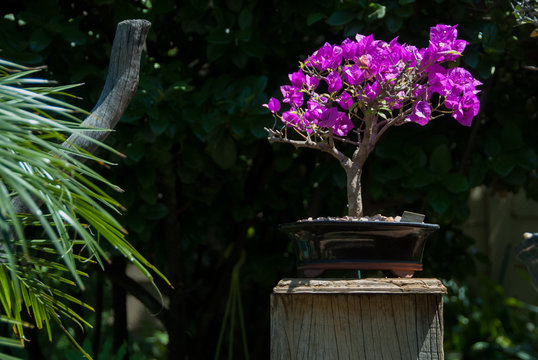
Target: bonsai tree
[(352, 93)]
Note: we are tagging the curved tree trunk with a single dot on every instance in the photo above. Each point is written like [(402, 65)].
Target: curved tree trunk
[(120, 86), (354, 191)]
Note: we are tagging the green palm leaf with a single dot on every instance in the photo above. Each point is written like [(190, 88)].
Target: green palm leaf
[(47, 190)]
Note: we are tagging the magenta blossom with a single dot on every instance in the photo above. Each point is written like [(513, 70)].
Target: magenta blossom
[(372, 90), (353, 75), (444, 39), (292, 96), (345, 101), (421, 113), (368, 86), (297, 79), (380, 77), (311, 82), (334, 81), (273, 105)]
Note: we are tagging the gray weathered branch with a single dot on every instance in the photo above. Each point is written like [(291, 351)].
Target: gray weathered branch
[(120, 85)]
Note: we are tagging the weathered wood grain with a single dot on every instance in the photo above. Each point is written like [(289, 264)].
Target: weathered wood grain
[(120, 86), (370, 286), (357, 319)]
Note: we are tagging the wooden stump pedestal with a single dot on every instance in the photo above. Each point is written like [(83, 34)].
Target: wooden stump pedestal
[(357, 319)]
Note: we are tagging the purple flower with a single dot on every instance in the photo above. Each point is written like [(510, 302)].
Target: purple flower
[(345, 101), (353, 75), (297, 79), (291, 96), (327, 57), (273, 105), (421, 113), (462, 79), (349, 49), (342, 124), (290, 118), (314, 112), (334, 81), (376, 76), (337, 121), (465, 106), (365, 44), (444, 39), (438, 81), (372, 90), (396, 101), (465, 109), (311, 82)]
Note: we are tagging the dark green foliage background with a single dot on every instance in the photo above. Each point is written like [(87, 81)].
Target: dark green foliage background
[(203, 187)]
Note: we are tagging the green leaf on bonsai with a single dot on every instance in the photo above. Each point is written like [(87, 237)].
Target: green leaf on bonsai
[(441, 159)]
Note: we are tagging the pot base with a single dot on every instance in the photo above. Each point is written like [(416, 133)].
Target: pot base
[(397, 269)]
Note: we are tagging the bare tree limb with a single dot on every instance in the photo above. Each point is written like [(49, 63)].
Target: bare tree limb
[(120, 85)]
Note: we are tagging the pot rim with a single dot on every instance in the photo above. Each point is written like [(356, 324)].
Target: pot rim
[(354, 224)]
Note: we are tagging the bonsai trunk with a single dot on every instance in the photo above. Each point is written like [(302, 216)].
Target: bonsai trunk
[(354, 191)]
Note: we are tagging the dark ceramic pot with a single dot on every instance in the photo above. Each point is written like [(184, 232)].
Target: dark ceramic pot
[(395, 247)]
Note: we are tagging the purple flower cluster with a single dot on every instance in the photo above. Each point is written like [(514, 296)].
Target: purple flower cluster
[(338, 84)]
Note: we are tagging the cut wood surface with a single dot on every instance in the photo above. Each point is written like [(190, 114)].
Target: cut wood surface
[(371, 286), (357, 319)]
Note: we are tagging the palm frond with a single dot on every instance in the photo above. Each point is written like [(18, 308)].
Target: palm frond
[(52, 204)]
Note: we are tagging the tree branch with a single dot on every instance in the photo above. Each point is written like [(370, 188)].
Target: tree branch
[(120, 85), (276, 136)]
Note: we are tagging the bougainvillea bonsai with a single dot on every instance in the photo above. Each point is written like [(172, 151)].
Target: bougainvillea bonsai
[(349, 95)]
